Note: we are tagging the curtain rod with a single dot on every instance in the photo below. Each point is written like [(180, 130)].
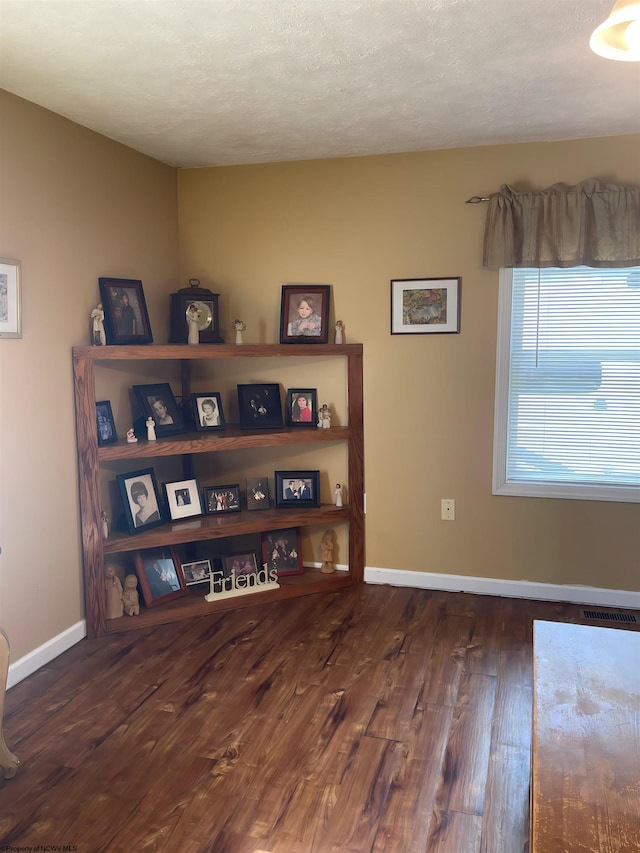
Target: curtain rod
[(476, 199)]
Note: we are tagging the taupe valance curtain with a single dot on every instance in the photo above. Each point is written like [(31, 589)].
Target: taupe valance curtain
[(590, 224)]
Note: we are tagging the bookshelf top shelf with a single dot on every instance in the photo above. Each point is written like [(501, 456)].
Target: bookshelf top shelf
[(208, 351)]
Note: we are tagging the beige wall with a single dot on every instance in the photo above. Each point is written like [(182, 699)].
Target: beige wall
[(74, 206), (356, 224)]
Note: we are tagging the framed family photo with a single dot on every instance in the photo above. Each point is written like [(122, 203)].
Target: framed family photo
[(10, 299), (257, 493), (302, 407), (106, 425), (126, 319), (196, 572), (183, 499), (422, 306), (157, 402), (304, 314), (140, 499), (297, 488), (207, 411), (260, 406), (222, 498), (281, 551), (160, 575), (240, 564)]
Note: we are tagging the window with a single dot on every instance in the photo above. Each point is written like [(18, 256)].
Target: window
[(567, 417)]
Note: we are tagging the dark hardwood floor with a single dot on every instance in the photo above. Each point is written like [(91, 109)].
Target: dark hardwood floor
[(374, 719)]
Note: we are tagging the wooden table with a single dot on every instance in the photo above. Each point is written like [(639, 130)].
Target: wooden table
[(585, 767)]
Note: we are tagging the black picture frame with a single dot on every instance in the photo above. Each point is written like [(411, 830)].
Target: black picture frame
[(126, 319), (307, 415), (282, 551), (197, 572), (297, 488), (105, 423), (160, 575), (425, 306), (312, 326), (208, 414), (156, 399), (133, 487), (183, 499), (257, 493), (221, 499), (260, 406)]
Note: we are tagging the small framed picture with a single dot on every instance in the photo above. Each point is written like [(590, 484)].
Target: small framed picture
[(106, 425), (240, 564), (304, 314), (126, 320), (257, 493), (197, 572), (140, 499), (297, 488), (10, 299), (302, 407), (281, 551), (157, 402), (183, 499), (422, 306), (160, 575), (207, 411), (222, 498), (260, 406)]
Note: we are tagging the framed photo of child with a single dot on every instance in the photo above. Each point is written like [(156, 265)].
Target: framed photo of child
[(304, 314), (302, 407)]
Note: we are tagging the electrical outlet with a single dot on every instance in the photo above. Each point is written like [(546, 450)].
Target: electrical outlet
[(448, 509)]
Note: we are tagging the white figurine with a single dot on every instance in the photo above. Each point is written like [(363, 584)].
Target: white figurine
[(98, 334), (151, 429), (131, 436), (324, 417), (130, 597), (192, 320), (239, 326), (339, 331), (104, 521), (338, 494)]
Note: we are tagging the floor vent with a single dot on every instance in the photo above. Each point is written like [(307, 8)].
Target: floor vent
[(608, 617)]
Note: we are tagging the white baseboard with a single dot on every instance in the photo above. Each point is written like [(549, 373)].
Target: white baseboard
[(45, 653), (572, 593)]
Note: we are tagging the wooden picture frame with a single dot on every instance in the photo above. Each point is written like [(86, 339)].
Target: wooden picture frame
[(140, 499), (157, 402), (10, 298), (425, 306), (282, 551), (297, 488), (105, 423), (257, 493), (208, 414), (197, 572), (160, 575), (304, 313), (244, 563), (126, 319), (260, 406), (302, 407), (219, 499), (183, 499)]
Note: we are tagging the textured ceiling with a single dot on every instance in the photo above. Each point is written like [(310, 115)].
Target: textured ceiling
[(213, 82)]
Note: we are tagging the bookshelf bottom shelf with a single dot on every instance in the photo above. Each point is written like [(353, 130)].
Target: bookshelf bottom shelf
[(194, 604)]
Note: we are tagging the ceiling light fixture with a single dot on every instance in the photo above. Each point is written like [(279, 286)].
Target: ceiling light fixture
[(619, 36)]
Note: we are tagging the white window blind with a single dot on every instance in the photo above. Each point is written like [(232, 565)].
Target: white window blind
[(568, 384)]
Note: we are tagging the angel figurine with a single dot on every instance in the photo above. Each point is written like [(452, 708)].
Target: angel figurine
[(239, 326), (97, 318)]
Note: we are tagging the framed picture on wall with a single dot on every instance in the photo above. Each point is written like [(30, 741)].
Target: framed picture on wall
[(126, 319), (10, 299), (425, 306)]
